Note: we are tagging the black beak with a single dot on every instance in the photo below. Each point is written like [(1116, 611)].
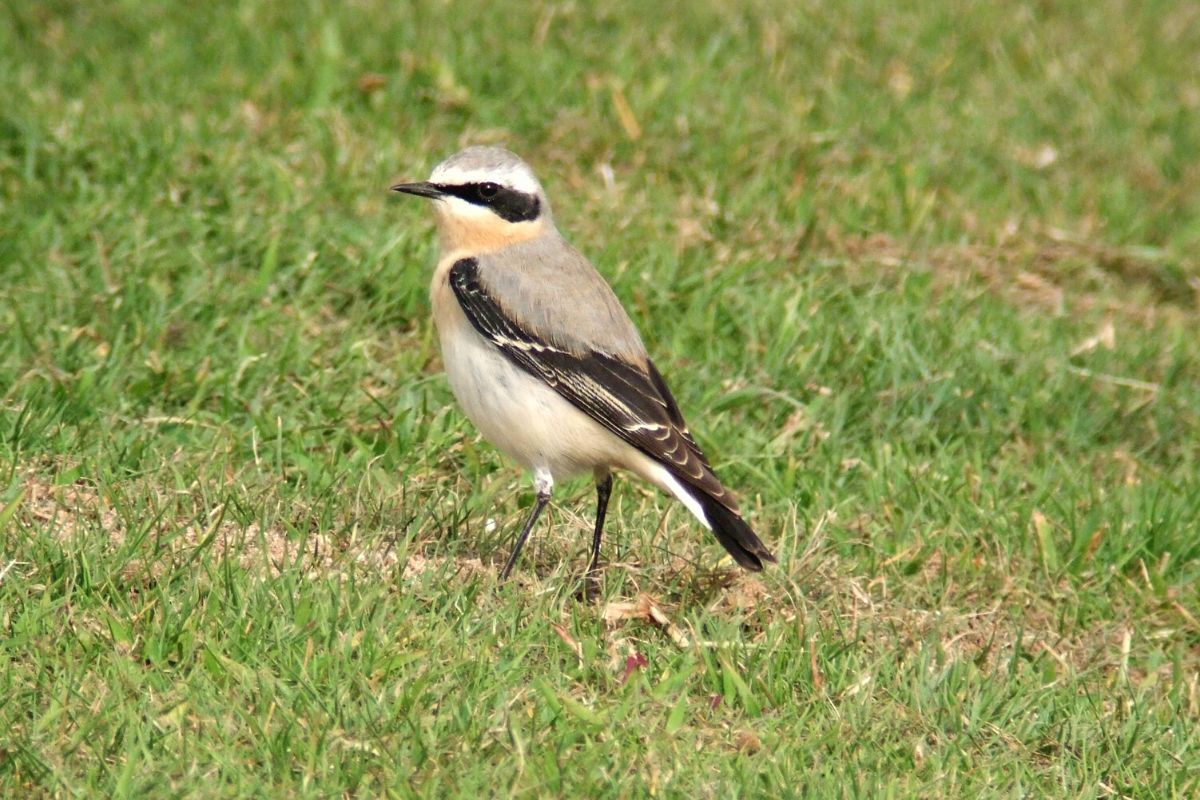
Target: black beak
[(422, 189)]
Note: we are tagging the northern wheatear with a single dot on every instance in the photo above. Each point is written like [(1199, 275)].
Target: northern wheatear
[(545, 361)]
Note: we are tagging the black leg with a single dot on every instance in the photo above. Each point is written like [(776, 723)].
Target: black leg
[(543, 497), (591, 583), (603, 491)]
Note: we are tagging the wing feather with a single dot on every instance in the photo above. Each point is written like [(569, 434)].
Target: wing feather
[(630, 400)]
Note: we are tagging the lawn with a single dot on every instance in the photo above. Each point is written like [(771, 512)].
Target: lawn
[(923, 277)]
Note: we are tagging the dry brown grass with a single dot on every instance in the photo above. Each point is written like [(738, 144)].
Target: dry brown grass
[(1048, 271), (889, 613)]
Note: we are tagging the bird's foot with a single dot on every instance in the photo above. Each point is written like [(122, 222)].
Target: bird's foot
[(589, 592)]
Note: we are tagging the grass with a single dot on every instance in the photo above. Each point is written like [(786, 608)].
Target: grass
[(923, 279)]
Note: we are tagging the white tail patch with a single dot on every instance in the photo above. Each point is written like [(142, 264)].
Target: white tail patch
[(669, 483)]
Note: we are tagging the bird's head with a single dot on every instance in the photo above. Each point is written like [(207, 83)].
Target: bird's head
[(486, 198)]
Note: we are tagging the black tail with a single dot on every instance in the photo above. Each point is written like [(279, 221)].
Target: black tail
[(734, 534)]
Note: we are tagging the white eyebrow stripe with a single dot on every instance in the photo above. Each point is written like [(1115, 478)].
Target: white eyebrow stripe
[(509, 176)]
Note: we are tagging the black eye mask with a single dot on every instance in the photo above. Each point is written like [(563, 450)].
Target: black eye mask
[(509, 204)]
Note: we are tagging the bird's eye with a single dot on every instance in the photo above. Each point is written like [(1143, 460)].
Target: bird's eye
[(487, 191)]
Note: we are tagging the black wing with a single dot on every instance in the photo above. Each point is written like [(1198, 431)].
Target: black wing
[(628, 399)]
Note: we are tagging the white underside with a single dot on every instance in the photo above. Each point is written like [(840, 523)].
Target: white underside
[(534, 425)]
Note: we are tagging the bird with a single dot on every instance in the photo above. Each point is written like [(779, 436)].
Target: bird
[(544, 360)]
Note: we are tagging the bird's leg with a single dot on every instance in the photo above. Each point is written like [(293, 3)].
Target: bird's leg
[(591, 582), (544, 484)]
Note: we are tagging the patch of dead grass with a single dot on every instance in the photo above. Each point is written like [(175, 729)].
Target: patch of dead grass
[(68, 512), (964, 624), (1050, 272)]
